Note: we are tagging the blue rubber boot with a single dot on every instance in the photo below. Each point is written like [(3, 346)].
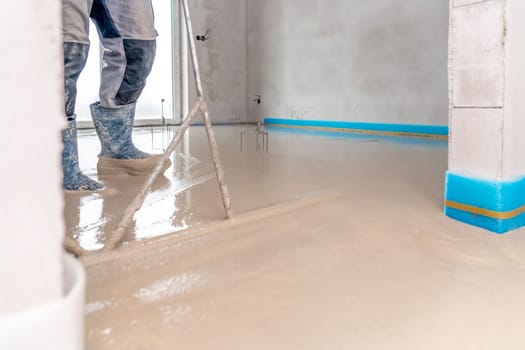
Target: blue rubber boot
[(118, 154), (74, 179)]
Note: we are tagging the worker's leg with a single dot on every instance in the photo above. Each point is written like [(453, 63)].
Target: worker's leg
[(128, 35), (76, 47)]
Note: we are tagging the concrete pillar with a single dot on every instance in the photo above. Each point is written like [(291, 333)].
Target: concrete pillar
[(486, 179), (41, 294)]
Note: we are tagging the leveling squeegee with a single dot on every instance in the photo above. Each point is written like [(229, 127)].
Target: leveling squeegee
[(116, 235)]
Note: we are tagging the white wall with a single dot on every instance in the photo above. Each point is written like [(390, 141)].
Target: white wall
[(487, 78), (477, 78), (31, 96), (353, 60), (514, 126)]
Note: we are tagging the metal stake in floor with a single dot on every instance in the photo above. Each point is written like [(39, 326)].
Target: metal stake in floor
[(260, 133), (200, 105)]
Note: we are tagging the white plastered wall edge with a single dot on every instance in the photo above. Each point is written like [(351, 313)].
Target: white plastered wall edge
[(56, 325)]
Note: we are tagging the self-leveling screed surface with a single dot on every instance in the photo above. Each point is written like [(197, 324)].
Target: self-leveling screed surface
[(353, 252)]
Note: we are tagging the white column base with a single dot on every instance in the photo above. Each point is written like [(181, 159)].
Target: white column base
[(57, 325)]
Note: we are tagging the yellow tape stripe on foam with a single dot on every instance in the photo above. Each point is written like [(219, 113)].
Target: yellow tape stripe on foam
[(364, 132), (499, 215)]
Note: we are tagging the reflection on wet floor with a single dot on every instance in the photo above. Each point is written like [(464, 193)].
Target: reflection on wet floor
[(376, 266), (167, 209), (185, 196)]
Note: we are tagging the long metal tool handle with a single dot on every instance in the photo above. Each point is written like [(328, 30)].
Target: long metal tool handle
[(204, 109), (201, 105), (226, 200), (193, 50)]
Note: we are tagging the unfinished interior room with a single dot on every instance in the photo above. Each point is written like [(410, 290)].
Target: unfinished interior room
[(262, 174)]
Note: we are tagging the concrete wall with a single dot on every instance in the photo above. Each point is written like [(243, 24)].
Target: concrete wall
[(351, 60), (487, 85), (477, 88), (31, 96), (223, 58), (514, 126)]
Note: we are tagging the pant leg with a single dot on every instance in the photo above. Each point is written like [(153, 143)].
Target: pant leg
[(75, 14), (75, 57), (127, 33)]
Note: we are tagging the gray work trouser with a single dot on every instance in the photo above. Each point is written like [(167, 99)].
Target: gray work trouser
[(126, 31)]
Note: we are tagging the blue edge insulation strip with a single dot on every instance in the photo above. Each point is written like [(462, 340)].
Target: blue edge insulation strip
[(396, 128), (500, 199), (504, 199)]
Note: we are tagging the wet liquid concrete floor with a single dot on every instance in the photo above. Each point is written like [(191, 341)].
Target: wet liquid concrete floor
[(358, 255)]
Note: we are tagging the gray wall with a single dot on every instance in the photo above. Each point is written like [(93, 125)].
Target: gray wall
[(223, 58), (355, 60)]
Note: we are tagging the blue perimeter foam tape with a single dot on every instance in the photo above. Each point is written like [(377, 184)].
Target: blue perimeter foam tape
[(372, 127), (356, 136), (496, 206)]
